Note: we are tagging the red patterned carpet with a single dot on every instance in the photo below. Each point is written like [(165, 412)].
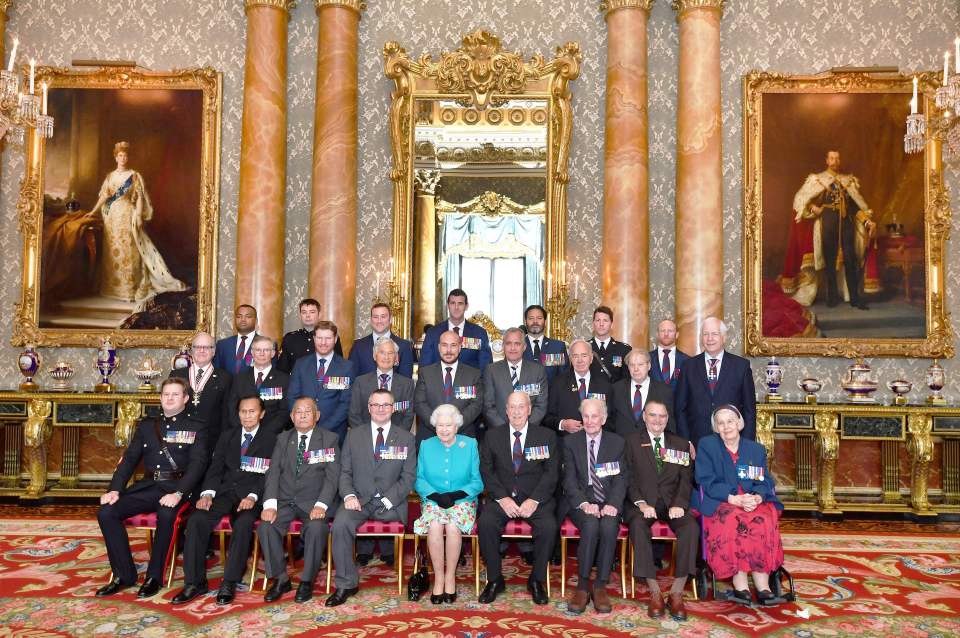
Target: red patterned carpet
[(862, 584)]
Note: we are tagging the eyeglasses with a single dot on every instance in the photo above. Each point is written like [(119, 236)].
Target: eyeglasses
[(262, 350), (202, 347), (380, 406)]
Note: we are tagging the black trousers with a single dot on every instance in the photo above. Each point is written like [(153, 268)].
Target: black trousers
[(490, 529), (688, 540), (111, 517), (840, 233), (199, 527), (598, 544)]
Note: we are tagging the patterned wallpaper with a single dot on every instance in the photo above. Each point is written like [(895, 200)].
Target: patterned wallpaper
[(798, 36)]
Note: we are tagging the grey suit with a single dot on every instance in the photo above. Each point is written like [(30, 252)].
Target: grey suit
[(429, 394), (363, 386), (370, 480), (497, 386), (296, 495)]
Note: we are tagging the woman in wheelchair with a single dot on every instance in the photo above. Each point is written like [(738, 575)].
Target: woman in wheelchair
[(739, 506)]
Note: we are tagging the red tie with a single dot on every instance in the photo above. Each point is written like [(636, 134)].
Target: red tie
[(383, 381), (665, 368), (259, 378), (378, 446), (241, 350), (321, 368), (583, 389), (637, 403), (456, 329), (712, 375), (448, 385)]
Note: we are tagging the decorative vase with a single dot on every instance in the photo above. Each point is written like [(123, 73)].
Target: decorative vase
[(774, 378), (107, 363), (857, 383), (62, 373), (900, 388), (936, 379), (182, 359), (29, 363), (146, 373), (810, 385)]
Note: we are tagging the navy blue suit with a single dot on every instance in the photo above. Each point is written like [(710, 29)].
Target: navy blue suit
[(225, 356), (334, 405), (694, 402), (473, 357), (717, 474), (548, 347), (361, 354), (656, 372)]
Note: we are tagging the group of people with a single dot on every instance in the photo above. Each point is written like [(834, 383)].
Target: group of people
[(593, 431)]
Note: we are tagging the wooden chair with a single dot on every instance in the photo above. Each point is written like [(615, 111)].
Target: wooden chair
[(569, 531), (519, 530), (396, 529), (148, 522), (474, 547), (660, 531)]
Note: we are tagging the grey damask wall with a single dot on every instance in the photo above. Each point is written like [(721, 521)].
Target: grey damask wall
[(797, 36)]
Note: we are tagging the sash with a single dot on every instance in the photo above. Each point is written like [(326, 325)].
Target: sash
[(120, 192)]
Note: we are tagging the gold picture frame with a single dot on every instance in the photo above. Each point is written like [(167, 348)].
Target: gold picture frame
[(170, 122), (478, 77), (790, 307)]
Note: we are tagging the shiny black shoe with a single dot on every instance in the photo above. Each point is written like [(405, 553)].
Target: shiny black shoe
[(538, 591), (340, 596), (490, 591), (149, 588), (363, 559), (742, 596), (304, 592), (112, 588), (190, 592), (436, 599), (226, 593), (449, 598), (277, 589)]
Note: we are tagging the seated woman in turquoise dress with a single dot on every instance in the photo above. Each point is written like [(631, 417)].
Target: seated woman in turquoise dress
[(448, 482)]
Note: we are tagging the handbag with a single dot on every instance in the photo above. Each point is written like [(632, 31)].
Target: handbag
[(419, 582)]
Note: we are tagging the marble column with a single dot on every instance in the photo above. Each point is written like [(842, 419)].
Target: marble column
[(425, 255), (624, 269), (263, 165), (333, 209), (699, 200)]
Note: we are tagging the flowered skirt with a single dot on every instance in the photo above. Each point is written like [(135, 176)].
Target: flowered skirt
[(741, 541), (463, 515)]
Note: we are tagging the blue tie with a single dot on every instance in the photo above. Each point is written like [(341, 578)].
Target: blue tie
[(247, 439)]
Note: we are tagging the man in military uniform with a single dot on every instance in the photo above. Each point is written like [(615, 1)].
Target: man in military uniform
[(173, 451), (610, 353), (299, 342)]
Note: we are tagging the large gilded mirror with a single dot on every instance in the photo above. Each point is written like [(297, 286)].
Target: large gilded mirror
[(480, 143)]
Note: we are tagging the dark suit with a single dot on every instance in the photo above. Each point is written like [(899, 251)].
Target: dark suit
[(361, 353), (225, 356), (211, 408), (497, 386), (230, 485), (400, 386), (273, 391), (553, 355), (564, 398), (297, 344), (656, 366), (598, 536), (189, 462), (717, 474), (620, 406), (334, 404), (429, 394), (537, 479), (476, 357), (695, 402), (613, 362), (670, 487), (370, 480), (297, 494)]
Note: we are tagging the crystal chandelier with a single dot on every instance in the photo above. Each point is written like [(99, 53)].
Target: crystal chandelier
[(943, 121), (19, 111)]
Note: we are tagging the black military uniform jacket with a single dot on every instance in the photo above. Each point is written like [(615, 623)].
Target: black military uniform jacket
[(225, 476), (186, 440), (296, 344), (613, 363)]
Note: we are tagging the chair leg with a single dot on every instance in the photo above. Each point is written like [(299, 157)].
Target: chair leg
[(398, 556), (329, 559), (289, 541), (563, 567), (548, 578), (416, 554), (633, 577), (173, 558), (223, 550), (475, 544), (253, 565), (623, 567)]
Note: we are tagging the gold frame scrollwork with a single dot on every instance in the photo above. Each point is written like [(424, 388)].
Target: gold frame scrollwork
[(26, 328), (480, 74), (938, 342)]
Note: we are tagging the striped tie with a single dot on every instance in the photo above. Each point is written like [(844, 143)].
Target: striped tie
[(384, 381), (514, 379), (594, 479)]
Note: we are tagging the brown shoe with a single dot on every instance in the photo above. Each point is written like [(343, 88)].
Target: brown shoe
[(677, 611), (601, 599), (655, 607), (578, 602)]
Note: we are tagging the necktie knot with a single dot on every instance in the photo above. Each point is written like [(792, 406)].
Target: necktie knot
[(199, 374), (247, 439), (448, 369), (321, 367), (259, 377), (456, 329)]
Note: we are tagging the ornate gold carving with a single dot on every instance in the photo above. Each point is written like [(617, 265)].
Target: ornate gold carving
[(480, 74), (765, 432), (128, 413), (682, 6), (827, 444), (356, 5), (427, 181), (920, 448), (487, 152), (286, 5), (485, 322), (561, 309), (36, 436), (609, 6), (937, 218), (492, 205), (4, 5), (30, 207)]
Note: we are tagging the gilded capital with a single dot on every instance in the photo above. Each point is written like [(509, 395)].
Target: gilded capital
[(4, 5), (286, 5), (682, 6), (356, 5), (609, 6)]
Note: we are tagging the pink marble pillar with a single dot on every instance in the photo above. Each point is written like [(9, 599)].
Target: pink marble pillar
[(699, 203)]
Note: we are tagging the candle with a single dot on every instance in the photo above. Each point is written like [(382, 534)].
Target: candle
[(913, 102), (576, 286), (946, 67), (43, 86), (956, 55), (377, 295), (33, 69), (13, 54)]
